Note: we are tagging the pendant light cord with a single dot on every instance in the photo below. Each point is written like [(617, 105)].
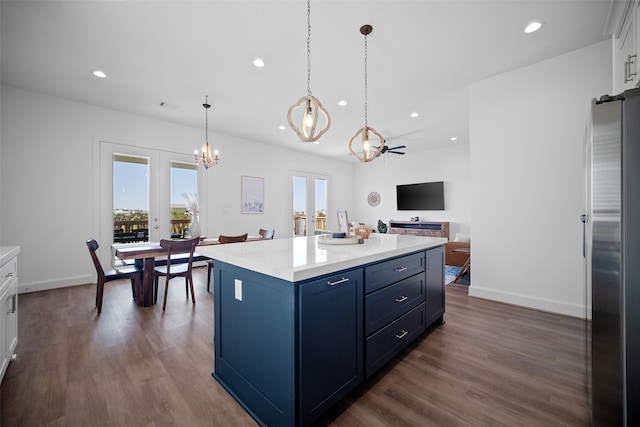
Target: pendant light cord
[(309, 47), (365, 82), (206, 118)]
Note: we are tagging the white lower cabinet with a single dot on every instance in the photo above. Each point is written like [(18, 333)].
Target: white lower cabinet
[(8, 306)]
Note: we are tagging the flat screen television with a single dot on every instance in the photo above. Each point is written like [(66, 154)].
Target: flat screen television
[(425, 196)]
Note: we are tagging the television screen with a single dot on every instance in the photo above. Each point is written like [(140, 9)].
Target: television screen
[(426, 196)]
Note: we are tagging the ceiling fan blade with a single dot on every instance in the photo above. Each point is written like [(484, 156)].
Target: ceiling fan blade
[(403, 135), (396, 152), (398, 147)]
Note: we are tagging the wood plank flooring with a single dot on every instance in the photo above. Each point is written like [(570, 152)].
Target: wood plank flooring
[(491, 364)]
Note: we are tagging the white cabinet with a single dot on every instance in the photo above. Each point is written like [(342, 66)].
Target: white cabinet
[(623, 24), (8, 305)]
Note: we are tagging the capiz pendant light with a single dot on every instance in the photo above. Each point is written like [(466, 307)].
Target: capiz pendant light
[(366, 150), (205, 157), (308, 111)]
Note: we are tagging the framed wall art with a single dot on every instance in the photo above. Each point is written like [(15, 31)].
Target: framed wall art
[(252, 195), (343, 222)]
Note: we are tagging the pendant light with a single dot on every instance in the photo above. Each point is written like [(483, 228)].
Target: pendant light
[(308, 111), (366, 149), (205, 158)]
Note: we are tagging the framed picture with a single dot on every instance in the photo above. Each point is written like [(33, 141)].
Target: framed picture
[(343, 222), (252, 195)]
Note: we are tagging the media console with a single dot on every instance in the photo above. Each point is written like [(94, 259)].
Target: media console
[(420, 228)]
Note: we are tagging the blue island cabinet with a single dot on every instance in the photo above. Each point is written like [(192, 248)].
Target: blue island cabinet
[(287, 351)]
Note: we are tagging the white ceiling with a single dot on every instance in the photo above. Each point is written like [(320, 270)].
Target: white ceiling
[(422, 55)]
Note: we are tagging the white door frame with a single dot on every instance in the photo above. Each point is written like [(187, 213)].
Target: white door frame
[(159, 200), (311, 198)]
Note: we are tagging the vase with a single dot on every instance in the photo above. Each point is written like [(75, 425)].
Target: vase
[(194, 227)]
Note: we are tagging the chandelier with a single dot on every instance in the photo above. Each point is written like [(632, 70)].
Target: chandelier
[(308, 111), (205, 157), (365, 150)]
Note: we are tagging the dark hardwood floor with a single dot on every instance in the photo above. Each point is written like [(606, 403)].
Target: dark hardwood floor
[(491, 364)]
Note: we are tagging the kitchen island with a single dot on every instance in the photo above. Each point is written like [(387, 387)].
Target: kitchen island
[(300, 323)]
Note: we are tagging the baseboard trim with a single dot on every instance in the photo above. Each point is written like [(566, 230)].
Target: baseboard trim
[(528, 301), (24, 288)]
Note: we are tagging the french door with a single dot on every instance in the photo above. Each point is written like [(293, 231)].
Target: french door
[(309, 202), (141, 194)]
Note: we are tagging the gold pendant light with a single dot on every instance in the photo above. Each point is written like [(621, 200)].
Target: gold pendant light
[(205, 158), (366, 150), (308, 111)]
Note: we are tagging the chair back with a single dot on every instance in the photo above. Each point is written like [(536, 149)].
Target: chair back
[(93, 247), (267, 234), (233, 239), (174, 247)]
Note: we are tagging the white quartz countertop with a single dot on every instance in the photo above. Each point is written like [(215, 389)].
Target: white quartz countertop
[(8, 252), (301, 258)]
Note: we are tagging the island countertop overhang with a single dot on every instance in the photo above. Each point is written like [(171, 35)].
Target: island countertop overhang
[(301, 258)]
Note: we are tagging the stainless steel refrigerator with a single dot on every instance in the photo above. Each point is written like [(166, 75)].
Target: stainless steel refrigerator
[(613, 258)]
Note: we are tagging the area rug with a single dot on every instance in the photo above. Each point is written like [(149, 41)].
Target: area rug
[(450, 273)]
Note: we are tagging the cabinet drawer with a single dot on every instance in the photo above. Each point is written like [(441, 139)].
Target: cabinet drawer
[(379, 275), (387, 304), (8, 272), (387, 342)]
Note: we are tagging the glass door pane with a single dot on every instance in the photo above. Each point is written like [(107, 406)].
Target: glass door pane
[(183, 184), (130, 198), (299, 206), (321, 204)]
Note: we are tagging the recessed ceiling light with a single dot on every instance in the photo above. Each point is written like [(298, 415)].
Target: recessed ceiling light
[(533, 27), (342, 102), (414, 114), (100, 74), (258, 62), (281, 127), (453, 138)]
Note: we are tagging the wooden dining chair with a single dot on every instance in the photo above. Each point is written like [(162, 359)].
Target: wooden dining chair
[(232, 239), (223, 239), (176, 249), (130, 272), (266, 234)]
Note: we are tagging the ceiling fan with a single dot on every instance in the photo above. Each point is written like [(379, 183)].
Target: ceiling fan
[(394, 150)]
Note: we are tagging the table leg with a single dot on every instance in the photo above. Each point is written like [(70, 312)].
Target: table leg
[(145, 298)]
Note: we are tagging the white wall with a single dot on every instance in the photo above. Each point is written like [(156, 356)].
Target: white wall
[(450, 164), (47, 180), (527, 131)]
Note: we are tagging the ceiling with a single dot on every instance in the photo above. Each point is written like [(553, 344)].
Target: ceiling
[(422, 55)]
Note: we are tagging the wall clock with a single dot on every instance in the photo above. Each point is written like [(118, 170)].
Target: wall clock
[(373, 198)]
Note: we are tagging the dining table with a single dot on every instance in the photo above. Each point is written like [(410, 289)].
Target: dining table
[(145, 255)]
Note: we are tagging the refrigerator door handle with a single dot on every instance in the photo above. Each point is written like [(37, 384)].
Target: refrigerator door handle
[(584, 219)]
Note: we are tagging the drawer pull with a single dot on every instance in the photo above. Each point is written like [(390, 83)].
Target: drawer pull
[(10, 274), (400, 269), (337, 282), (403, 298), (402, 334)]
